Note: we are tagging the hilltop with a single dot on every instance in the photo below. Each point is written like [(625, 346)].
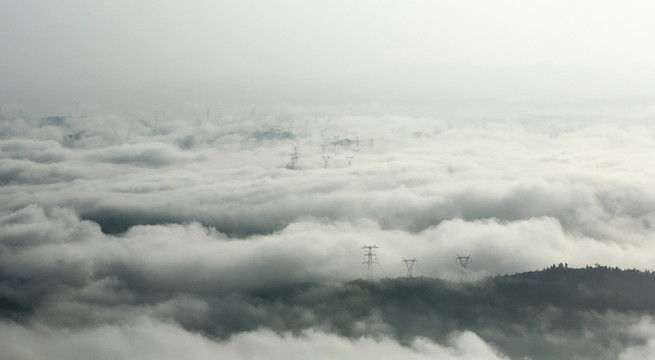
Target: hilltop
[(554, 312)]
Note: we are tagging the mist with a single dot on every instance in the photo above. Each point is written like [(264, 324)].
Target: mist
[(199, 228), (201, 180)]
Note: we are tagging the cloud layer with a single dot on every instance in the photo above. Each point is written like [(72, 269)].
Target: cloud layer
[(198, 229), (147, 339)]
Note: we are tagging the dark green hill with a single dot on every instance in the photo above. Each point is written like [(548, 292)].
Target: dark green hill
[(556, 313)]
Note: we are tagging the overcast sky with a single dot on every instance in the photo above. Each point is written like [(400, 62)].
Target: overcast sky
[(80, 51)]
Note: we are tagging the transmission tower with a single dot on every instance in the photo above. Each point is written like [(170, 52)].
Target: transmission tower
[(325, 160), (369, 259), (463, 262), (350, 160), (409, 264), (295, 153)]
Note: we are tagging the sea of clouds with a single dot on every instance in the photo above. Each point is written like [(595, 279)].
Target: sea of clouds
[(118, 235)]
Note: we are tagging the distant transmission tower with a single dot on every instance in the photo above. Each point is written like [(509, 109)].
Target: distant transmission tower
[(325, 160), (409, 264), (295, 153), (463, 262), (369, 259), (350, 160)]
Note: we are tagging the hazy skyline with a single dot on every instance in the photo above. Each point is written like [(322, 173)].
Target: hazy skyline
[(115, 54)]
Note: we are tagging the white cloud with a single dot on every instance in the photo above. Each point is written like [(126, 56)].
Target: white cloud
[(199, 213), (558, 190), (145, 338), (645, 329)]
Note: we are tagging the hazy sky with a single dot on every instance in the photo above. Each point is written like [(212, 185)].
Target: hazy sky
[(76, 48)]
